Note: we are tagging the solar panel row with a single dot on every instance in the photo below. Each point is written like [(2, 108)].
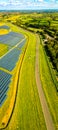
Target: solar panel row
[(4, 27), (11, 38), (9, 61), (4, 85), (22, 44)]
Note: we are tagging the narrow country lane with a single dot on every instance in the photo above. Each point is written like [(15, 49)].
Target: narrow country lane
[(45, 109)]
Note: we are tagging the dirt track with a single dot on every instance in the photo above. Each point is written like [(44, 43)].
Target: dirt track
[(45, 109)]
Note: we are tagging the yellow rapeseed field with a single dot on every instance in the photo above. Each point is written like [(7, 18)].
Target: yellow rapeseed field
[(1, 23), (3, 31)]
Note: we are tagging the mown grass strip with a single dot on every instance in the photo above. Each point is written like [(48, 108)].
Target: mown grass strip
[(48, 86)]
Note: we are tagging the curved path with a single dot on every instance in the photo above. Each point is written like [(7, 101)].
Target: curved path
[(45, 109)]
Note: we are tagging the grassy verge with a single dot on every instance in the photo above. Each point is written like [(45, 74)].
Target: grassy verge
[(48, 86), (28, 112)]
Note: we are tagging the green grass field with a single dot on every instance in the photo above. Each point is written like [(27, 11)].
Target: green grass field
[(48, 87)]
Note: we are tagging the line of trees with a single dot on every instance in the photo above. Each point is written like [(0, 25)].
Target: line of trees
[(51, 48)]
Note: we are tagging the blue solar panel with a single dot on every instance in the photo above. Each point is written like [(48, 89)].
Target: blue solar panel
[(22, 44), (4, 27), (9, 61), (11, 38), (4, 85)]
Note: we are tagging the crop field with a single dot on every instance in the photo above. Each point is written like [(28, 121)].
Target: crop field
[(1, 23), (4, 29)]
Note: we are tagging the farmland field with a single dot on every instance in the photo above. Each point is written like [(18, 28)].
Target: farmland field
[(29, 71)]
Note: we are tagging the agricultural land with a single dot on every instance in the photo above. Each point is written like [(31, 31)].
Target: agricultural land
[(29, 71)]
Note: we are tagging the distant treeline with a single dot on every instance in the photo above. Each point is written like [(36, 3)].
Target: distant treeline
[(51, 48)]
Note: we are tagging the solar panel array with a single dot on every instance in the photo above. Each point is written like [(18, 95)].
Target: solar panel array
[(9, 61), (4, 85), (22, 44), (4, 27), (11, 38)]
